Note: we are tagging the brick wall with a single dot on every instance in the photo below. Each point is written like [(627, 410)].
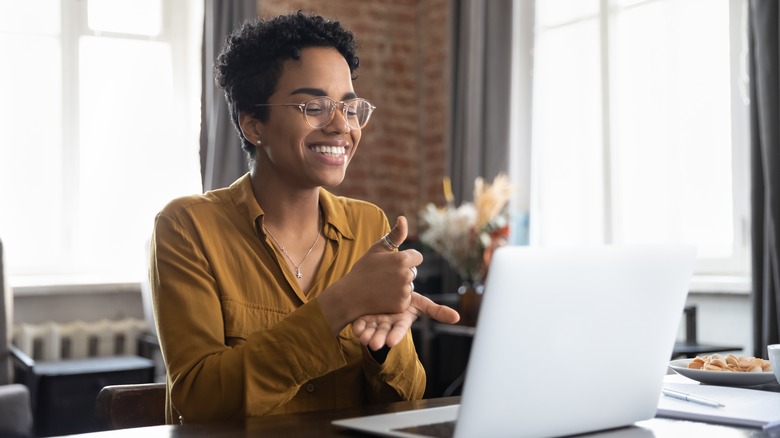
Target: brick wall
[(404, 53)]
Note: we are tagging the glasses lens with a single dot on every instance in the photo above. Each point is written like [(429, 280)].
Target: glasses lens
[(358, 111), (319, 112)]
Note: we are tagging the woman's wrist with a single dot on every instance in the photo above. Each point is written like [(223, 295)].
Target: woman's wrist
[(335, 308)]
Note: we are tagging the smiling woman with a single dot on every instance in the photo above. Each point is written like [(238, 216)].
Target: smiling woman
[(99, 129), (273, 270)]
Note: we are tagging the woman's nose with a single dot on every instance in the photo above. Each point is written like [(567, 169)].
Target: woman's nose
[(339, 120)]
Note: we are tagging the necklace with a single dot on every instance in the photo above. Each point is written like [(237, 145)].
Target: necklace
[(284, 251)]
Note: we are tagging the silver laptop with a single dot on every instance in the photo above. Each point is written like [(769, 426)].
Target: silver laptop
[(569, 341)]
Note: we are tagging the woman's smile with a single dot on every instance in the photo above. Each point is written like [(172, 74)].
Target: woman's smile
[(331, 152)]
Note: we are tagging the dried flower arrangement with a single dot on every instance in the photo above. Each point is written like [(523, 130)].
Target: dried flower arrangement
[(467, 235)]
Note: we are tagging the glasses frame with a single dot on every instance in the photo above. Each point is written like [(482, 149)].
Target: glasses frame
[(332, 112)]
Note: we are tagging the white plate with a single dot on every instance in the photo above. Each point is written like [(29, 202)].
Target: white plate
[(724, 378)]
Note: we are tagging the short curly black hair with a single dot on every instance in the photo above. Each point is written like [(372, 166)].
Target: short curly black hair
[(249, 66)]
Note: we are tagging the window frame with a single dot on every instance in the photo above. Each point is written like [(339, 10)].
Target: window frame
[(180, 31), (734, 270)]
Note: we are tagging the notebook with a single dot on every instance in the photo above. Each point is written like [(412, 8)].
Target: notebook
[(569, 341), (740, 406)]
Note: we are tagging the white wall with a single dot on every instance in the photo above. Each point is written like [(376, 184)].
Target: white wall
[(724, 318)]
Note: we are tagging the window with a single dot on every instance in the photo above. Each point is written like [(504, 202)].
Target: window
[(99, 123), (640, 131)]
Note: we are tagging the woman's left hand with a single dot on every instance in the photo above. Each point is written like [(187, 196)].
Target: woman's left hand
[(376, 331)]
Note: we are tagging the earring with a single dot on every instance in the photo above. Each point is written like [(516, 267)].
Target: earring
[(259, 142)]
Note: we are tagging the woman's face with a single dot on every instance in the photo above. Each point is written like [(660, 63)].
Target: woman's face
[(304, 156)]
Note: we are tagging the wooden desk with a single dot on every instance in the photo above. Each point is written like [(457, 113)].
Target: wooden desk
[(319, 424)]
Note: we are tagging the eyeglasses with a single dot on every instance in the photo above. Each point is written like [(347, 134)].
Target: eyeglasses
[(319, 112)]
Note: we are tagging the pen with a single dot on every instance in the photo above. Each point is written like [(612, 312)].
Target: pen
[(691, 398)]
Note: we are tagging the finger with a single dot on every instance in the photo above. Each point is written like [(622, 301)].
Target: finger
[(395, 237), (444, 314), (380, 335), (396, 335), (384, 327), (378, 341), (367, 335), (438, 312), (358, 327)]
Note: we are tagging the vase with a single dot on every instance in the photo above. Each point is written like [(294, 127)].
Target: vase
[(470, 299)]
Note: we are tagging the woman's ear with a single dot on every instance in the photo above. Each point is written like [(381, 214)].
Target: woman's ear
[(250, 127)]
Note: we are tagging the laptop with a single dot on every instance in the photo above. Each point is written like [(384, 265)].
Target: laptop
[(569, 341)]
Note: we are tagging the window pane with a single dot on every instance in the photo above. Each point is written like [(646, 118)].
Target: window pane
[(133, 159), (555, 12), (18, 16), (93, 145), (139, 17), (567, 157), (672, 125), (31, 196)]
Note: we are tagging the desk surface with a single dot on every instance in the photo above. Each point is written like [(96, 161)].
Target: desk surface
[(319, 424)]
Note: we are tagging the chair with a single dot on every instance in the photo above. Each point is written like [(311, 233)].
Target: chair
[(149, 344), (15, 412), (691, 347), (6, 325), (61, 393), (135, 405), (15, 408)]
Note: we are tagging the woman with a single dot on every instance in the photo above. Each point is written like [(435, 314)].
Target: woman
[(273, 295)]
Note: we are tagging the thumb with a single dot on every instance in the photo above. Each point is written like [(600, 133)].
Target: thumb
[(395, 237)]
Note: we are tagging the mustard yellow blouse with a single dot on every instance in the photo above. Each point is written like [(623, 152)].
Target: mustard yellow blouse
[(239, 337)]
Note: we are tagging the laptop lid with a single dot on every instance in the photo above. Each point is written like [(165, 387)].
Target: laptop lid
[(569, 340)]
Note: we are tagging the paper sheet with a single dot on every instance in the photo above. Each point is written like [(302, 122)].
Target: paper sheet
[(745, 407)]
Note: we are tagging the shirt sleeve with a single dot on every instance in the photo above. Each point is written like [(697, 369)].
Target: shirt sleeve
[(208, 379), (400, 377)]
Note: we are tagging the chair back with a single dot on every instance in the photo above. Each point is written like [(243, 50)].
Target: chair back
[(15, 411), (16, 418), (132, 405), (6, 324)]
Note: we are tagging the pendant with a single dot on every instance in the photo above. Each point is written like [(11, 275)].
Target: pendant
[(298, 273)]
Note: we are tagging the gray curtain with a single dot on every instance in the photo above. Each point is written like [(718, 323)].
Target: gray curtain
[(765, 171), (482, 59), (482, 77), (222, 160)]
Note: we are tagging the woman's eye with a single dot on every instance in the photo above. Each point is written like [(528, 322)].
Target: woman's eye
[(314, 110)]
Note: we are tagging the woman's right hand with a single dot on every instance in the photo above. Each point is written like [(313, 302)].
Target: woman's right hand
[(382, 279), (378, 294), (380, 282)]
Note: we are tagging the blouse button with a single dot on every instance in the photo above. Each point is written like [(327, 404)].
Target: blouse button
[(310, 387)]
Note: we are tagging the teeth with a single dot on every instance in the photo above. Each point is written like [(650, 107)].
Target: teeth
[(335, 151)]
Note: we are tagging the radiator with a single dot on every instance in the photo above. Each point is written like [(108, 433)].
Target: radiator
[(78, 339)]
